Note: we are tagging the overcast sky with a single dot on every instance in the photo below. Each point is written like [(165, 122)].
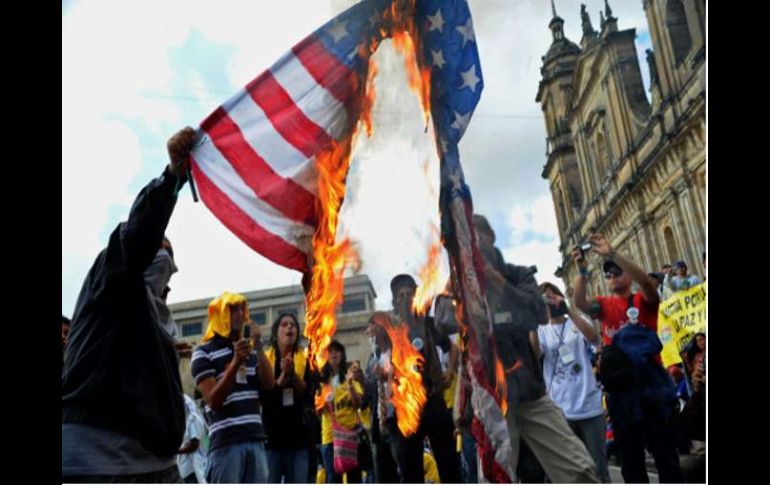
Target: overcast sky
[(133, 73)]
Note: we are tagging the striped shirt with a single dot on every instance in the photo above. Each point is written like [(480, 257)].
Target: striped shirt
[(240, 417)]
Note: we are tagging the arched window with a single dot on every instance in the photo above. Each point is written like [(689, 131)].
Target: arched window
[(673, 252)]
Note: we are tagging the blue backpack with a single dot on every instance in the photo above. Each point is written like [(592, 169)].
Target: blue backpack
[(640, 346)]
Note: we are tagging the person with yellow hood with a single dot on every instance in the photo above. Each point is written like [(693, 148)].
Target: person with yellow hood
[(230, 370)]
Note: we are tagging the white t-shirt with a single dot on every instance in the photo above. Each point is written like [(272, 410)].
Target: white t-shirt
[(194, 462), (567, 372), (443, 357)]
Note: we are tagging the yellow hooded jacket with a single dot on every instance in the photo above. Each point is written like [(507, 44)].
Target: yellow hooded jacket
[(219, 314)]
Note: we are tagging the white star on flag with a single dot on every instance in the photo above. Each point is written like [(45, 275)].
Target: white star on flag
[(470, 79), (438, 58), (466, 31), (461, 121), (338, 30), (436, 21)]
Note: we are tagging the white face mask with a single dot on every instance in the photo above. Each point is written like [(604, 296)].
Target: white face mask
[(156, 278), (158, 273)]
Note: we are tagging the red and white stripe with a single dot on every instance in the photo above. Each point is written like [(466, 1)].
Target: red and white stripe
[(254, 165)]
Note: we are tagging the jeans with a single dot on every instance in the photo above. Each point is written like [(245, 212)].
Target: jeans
[(636, 425), (238, 463), (289, 466), (469, 462), (593, 433), (385, 469)]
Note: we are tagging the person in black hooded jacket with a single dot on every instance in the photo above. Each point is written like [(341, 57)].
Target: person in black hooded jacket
[(517, 308), (122, 410)]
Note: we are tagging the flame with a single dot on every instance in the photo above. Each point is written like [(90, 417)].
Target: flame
[(418, 78), (501, 385), (501, 388), (406, 40), (430, 277), (369, 96), (329, 257), (322, 396), (408, 393)]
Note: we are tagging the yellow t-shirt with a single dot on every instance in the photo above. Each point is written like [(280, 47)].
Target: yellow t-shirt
[(431, 470), (344, 411), (449, 393)]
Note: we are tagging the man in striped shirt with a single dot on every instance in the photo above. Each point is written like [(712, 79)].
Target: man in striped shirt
[(230, 370)]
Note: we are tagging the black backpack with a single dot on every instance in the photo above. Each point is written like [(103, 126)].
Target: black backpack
[(616, 371)]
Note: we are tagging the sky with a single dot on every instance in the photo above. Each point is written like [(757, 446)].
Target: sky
[(134, 73)]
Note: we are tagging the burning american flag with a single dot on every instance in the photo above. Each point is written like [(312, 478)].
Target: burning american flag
[(271, 164)]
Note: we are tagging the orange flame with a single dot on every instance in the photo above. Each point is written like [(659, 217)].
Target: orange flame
[(418, 78), (406, 40), (330, 258), (501, 388), (408, 393), (501, 385), (369, 97), (430, 283), (322, 396)]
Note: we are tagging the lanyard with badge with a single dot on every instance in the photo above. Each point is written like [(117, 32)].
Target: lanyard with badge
[(565, 354)]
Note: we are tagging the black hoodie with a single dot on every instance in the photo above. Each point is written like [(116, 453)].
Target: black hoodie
[(120, 368)]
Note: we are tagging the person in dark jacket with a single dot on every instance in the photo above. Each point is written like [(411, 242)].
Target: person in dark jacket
[(122, 410), (517, 308)]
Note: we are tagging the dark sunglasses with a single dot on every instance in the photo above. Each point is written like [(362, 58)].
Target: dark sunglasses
[(610, 274)]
